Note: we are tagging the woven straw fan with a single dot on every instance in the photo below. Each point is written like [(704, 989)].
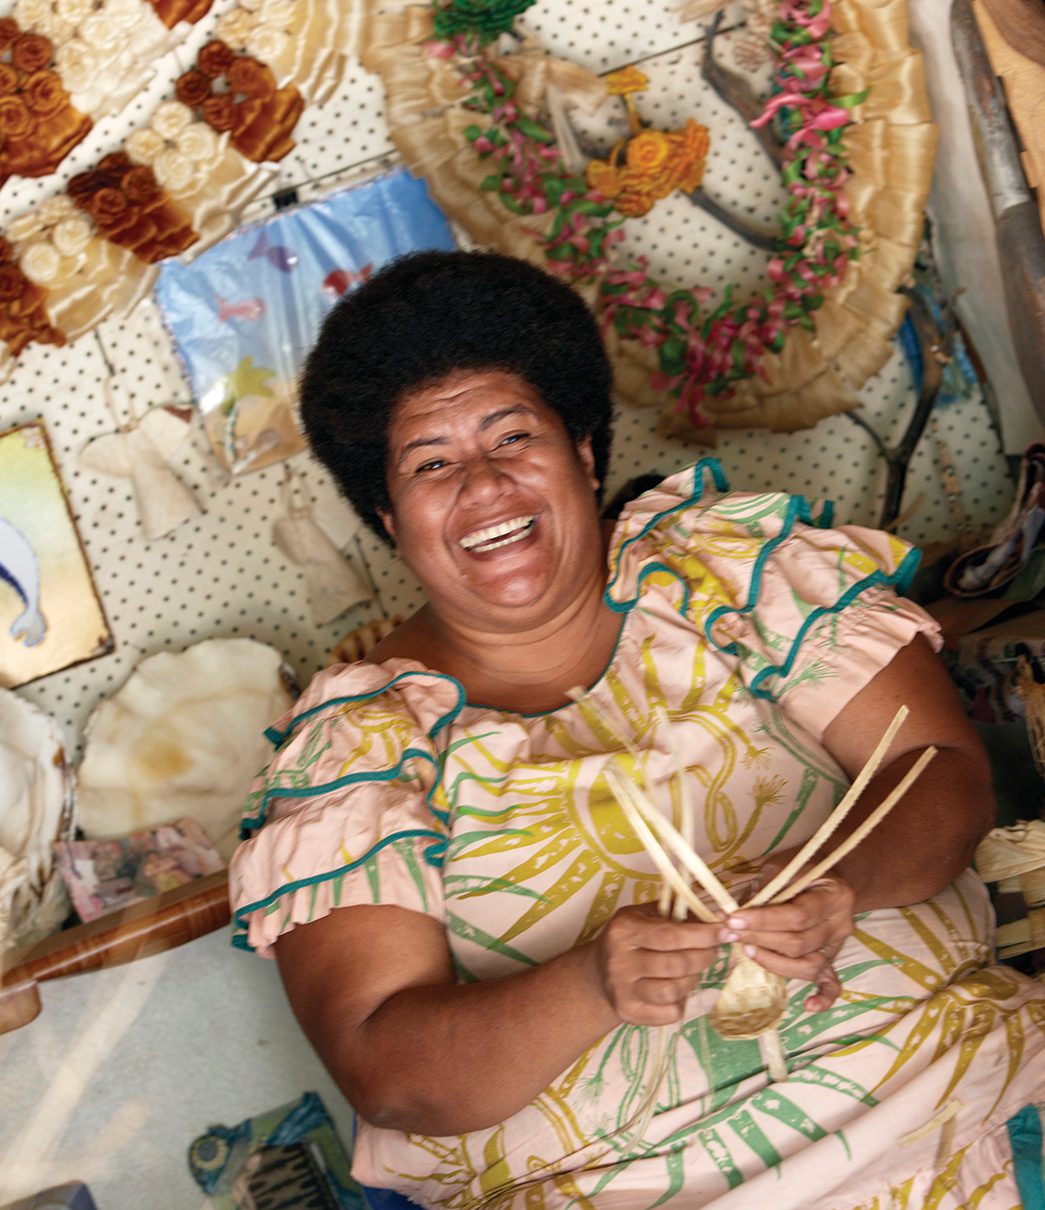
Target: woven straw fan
[(753, 1000)]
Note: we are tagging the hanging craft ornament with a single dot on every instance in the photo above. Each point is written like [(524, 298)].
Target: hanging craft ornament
[(850, 106), (332, 583), (143, 450)]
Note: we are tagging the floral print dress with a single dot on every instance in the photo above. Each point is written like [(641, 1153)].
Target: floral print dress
[(746, 625)]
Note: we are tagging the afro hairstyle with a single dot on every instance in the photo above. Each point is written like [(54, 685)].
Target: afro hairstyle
[(426, 316)]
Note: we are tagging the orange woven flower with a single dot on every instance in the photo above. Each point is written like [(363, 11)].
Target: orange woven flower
[(31, 52), (628, 79), (219, 112), (215, 59), (192, 88), (8, 79), (15, 120), (656, 163), (250, 78), (108, 207), (603, 177), (43, 93), (9, 30), (12, 282), (140, 186)]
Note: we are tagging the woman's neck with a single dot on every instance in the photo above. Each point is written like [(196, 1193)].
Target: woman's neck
[(533, 670), (525, 671)]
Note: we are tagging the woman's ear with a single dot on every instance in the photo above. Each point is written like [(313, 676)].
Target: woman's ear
[(389, 523), (587, 457)]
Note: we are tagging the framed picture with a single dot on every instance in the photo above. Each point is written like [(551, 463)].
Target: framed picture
[(50, 615)]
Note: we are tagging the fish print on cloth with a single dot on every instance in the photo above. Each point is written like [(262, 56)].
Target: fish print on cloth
[(332, 583), (243, 314), (142, 452)]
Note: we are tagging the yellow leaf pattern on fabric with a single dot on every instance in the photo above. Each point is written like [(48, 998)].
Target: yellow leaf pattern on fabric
[(524, 806)]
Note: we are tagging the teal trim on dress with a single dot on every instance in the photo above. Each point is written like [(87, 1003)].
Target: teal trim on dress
[(278, 738), (645, 571), (898, 579), (433, 853), (239, 938), (251, 823), (1025, 1139), (799, 509), (718, 476)]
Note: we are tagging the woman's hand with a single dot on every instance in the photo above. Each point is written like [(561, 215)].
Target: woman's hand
[(799, 939), (648, 965)]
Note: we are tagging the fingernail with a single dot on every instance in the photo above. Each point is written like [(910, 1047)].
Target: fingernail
[(750, 950), (737, 922), (729, 936)]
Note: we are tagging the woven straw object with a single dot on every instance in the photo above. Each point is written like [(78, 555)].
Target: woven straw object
[(753, 1000)]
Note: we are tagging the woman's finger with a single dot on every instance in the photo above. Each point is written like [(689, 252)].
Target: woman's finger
[(828, 989), (808, 966)]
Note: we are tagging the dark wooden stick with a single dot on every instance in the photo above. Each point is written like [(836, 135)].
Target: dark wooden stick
[(738, 94), (936, 342), (145, 928)]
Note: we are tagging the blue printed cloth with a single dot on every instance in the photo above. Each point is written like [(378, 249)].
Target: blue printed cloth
[(244, 314)]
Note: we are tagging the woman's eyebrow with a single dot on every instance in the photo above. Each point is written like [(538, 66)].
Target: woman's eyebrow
[(487, 421), (416, 444), (502, 413)]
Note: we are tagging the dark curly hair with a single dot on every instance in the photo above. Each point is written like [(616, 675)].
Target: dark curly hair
[(420, 319)]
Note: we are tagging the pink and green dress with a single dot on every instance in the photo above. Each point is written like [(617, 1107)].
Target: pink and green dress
[(747, 623)]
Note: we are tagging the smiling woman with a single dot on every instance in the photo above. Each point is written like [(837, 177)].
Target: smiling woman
[(464, 918)]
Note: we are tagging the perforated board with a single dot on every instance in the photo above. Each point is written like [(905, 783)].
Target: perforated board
[(221, 575)]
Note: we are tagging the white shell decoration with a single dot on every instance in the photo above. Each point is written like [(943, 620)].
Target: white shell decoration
[(184, 736), (36, 809)]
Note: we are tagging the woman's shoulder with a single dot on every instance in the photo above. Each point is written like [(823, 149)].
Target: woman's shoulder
[(696, 503), (691, 528), (368, 693), (691, 521)]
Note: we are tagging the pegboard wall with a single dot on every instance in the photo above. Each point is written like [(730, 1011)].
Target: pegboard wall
[(221, 575)]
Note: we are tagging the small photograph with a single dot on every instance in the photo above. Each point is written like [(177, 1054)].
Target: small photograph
[(50, 614), (103, 875)]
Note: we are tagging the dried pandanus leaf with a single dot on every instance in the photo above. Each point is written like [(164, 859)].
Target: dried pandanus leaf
[(753, 1000), (1033, 694)]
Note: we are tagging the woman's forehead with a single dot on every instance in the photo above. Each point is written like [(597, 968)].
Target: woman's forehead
[(478, 396)]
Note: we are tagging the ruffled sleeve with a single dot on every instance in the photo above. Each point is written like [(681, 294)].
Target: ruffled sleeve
[(810, 612), (347, 811)]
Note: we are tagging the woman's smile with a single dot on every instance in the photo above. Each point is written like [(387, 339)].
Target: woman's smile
[(495, 537)]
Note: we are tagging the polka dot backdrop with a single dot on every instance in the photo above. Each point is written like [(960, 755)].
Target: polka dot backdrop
[(221, 574)]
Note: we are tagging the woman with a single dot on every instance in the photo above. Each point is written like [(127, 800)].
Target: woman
[(462, 917)]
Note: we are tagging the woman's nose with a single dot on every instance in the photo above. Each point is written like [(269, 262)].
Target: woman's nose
[(483, 477)]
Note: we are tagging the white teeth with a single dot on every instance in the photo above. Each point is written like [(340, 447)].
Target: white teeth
[(508, 532)]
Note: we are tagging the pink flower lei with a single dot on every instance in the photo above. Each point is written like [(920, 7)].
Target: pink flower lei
[(702, 349)]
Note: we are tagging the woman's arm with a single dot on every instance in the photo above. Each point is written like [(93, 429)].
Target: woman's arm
[(374, 990), (929, 838), (925, 842)]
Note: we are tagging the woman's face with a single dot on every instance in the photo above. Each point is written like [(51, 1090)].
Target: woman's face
[(493, 503)]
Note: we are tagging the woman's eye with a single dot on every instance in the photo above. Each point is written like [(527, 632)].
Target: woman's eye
[(512, 438), (433, 464)]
